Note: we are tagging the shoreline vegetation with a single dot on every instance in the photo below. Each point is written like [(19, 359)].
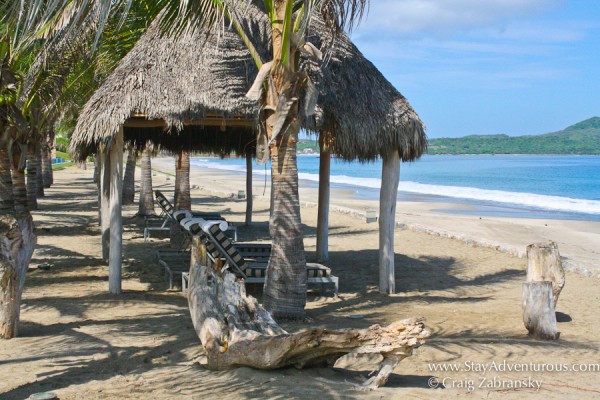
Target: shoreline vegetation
[(582, 138)]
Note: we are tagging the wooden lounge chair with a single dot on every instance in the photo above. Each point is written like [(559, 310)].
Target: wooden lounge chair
[(247, 260)]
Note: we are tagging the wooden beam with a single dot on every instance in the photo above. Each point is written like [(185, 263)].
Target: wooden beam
[(116, 219), (221, 122), (324, 195), (104, 159), (390, 178), (249, 204)]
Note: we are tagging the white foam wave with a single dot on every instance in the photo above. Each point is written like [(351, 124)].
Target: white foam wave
[(533, 200)]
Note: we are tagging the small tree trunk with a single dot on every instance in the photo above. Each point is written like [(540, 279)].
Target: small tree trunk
[(46, 165), (40, 177), (18, 242), (129, 179), (387, 221), (236, 331), (32, 177), (116, 218), (538, 310), (183, 199), (324, 191), (146, 201), (544, 264), (249, 198)]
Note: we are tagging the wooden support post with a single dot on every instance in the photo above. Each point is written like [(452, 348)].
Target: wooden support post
[(544, 264), (104, 157), (390, 178), (249, 199), (116, 219), (324, 195), (538, 310)]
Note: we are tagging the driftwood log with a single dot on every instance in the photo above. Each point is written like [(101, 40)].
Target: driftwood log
[(236, 331), (538, 310), (17, 242), (544, 264)]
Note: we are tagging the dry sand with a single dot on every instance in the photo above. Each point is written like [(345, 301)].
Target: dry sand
[(82, 343)]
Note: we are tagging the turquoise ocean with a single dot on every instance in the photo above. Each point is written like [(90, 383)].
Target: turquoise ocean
[(555, 187)]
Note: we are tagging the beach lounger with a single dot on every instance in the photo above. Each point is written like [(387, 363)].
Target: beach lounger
[(174, 263), (156, 224), (168, 209), (248, 261)]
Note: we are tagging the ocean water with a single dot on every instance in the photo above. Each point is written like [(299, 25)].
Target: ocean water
[(561, 187)]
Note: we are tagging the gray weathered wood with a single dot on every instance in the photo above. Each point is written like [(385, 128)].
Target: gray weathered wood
[(324, 193), (544, 264), (116, 219), (249, 198), (390, 178), (237, 331), (539, 316), (104, 157)]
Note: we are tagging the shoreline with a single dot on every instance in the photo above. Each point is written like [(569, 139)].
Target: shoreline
[(576, 239)]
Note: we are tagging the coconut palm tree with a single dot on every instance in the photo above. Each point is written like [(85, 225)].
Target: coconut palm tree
[(279, 87)]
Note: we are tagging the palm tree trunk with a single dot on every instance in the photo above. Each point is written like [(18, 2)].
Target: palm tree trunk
[(46, 165), (18, 243), (146, 202), (129, 179), (7, 203), (285, 286), (31, 177), (183, 199), (19, 191), (49, 146), (39, 173)]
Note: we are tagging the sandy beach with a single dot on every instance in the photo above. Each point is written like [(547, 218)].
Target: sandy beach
[(79, 342)]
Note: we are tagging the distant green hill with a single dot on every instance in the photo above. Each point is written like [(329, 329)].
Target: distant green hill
[(581, 138)]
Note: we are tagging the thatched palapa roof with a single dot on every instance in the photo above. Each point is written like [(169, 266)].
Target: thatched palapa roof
[(191, 88), (193, 80)]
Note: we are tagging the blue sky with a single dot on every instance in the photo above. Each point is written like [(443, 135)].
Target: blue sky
[(489, 66)]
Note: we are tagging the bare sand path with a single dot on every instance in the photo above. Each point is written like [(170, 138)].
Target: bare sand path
[(82, 343)]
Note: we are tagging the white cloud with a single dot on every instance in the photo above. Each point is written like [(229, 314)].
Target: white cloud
[(447, 17)]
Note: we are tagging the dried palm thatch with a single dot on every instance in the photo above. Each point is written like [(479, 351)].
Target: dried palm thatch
[(193, 78), (197, 75)]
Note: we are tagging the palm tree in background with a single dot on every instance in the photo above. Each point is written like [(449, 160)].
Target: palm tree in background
[(279, 91), (45, 75), (129, 177)]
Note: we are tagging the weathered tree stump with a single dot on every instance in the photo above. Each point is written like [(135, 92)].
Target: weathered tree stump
[(236, 331), (544, 264), (17, 242), (538, 310)]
